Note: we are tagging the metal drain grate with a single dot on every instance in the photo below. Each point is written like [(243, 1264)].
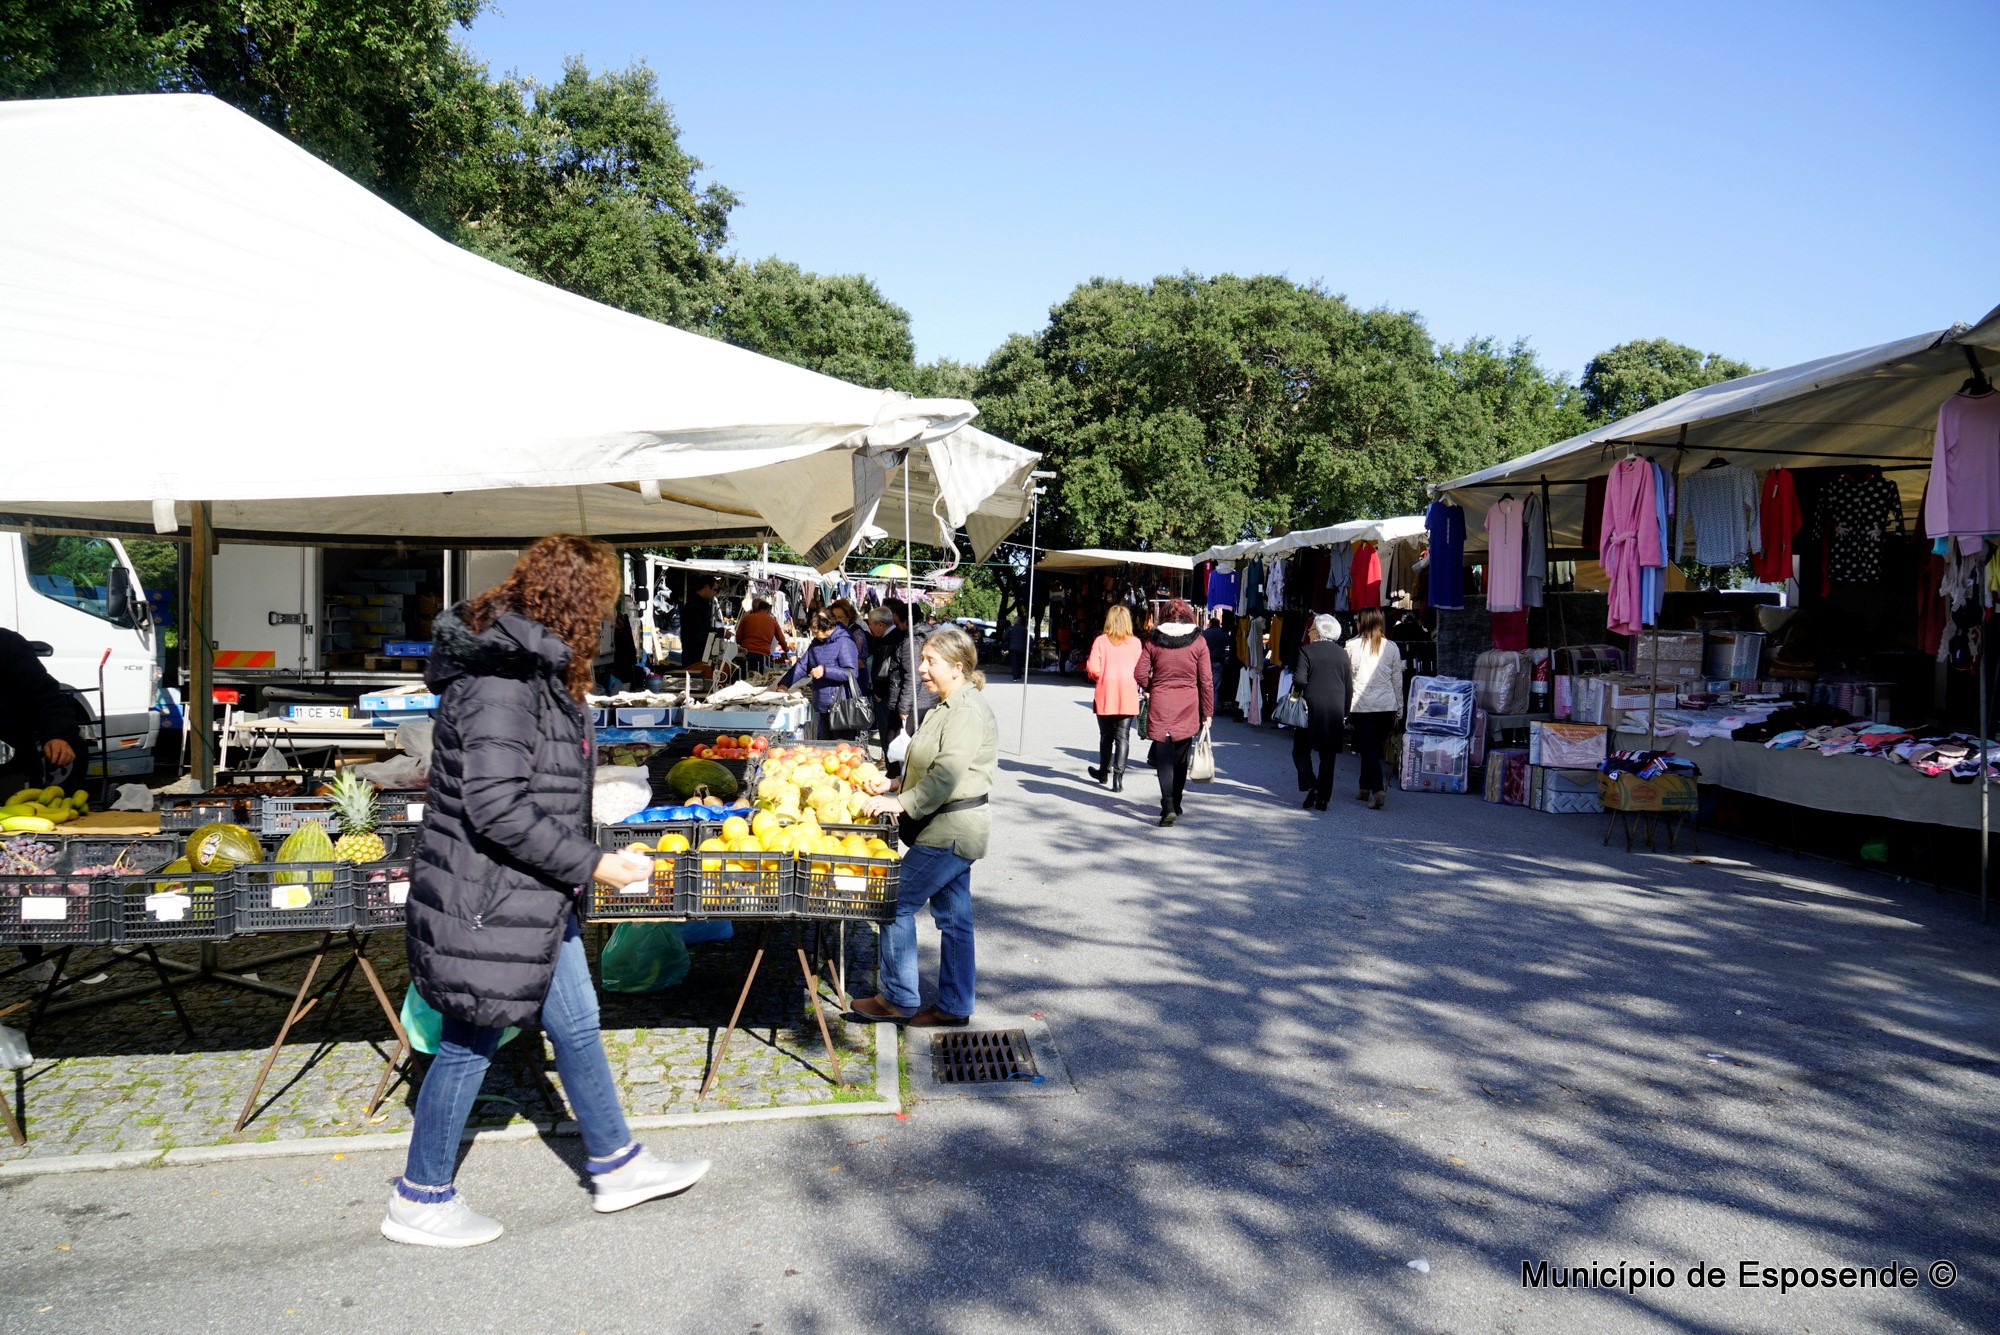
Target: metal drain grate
[(982, 1056)]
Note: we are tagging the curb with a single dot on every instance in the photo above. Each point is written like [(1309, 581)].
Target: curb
[(888, 1100)]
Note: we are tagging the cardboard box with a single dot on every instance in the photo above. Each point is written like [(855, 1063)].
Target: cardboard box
[(392, 701), (1629, 792), (1507, 775), (396, 718), (1566, 745), (1563, 792), (1672, 646)]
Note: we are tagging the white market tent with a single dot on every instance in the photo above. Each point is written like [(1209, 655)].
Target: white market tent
[(1103, 558), (1396, 529), (195, 310), (1875, 405)]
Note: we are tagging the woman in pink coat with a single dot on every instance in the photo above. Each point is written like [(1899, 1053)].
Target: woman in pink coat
[(1112, 659)]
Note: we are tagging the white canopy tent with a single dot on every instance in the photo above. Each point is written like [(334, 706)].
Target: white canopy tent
[(1875, 405), (193, 309), (1103, 558), (1396, 529)]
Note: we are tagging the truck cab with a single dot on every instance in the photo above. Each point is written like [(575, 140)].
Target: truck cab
[(82, 598)]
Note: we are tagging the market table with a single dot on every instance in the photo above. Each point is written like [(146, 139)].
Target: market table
[(1854, 785)]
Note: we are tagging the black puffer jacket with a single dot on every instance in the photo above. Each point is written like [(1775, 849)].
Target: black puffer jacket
[(506, 839)]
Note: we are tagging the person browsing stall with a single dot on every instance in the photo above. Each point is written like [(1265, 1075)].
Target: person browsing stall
[(1378, 699), (1173, 669), (760, 635), (829, 663), (1323, 679), (1113, 655), (945, 825), (492, 930)]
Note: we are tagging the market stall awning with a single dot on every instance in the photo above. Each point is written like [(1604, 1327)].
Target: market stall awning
[(193, 308), (1096, 558), (1873, 405), (1354, 530)]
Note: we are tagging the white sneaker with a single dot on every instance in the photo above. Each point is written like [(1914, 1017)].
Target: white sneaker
[(642, 1180), (449, 1223)]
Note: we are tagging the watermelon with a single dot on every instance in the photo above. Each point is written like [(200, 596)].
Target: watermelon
[(691, 777)]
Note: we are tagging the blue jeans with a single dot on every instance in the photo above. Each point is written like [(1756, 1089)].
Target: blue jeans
[(941, 878), (569, 1018)]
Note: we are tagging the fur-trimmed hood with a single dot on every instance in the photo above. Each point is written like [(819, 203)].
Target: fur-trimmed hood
[(513, 646), (1175, 634)]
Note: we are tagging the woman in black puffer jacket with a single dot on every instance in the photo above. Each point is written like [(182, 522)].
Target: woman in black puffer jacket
[(492, 930)]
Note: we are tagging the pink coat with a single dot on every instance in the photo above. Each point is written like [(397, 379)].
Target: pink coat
[(1110, 666), (1631, 539)]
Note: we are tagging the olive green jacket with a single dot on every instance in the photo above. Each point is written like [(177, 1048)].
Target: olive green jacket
[(955, 754)]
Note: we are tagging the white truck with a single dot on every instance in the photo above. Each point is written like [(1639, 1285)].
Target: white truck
[(82, 598)]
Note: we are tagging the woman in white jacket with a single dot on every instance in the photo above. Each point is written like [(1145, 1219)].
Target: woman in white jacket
[(1378, 699)]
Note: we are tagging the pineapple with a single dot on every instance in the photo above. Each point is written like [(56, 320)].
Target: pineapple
[(353, 799)]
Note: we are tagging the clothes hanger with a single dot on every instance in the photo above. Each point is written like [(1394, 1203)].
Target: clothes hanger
[(1977, 384), (1717, 462)]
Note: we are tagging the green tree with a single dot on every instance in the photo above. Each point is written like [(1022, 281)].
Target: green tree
[(1646, 371), (837, 324)]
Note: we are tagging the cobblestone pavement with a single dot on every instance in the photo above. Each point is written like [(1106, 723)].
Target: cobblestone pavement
[(123, 1076)]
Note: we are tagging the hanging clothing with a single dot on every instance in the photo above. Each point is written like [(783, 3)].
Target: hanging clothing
[(1365, 582), (1445, 522), (1340, 574), (1222, 588), (1720, 505), (1964, 497), (1510, 630), (1593, 513), (1855, 511), (1778, 522), (1399, 561), (1631, 542), (1274, 584), (1503, 556), (1534, 552), (1653, 579)]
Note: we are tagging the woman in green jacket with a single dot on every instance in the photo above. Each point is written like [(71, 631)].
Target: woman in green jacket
[(944, 823)]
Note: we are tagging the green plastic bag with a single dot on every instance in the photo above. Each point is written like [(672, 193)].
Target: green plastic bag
[(424, 1025), (644, 957)]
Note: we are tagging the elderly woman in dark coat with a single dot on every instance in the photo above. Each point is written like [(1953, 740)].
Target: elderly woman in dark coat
[(1324, 678), (1173, 670), (492, 930), (833, 667)]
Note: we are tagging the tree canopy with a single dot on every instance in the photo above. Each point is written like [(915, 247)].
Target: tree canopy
[(1634, 376)]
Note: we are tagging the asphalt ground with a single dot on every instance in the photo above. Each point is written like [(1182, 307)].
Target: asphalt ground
[(1307, 1051)]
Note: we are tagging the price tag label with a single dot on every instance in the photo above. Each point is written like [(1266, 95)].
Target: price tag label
[(291, 897), (44, 908), (168, 906), (399, 892), (413, 811), (851, 885)]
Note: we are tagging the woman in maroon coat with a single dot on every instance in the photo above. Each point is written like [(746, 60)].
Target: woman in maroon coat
[(1174, 671)]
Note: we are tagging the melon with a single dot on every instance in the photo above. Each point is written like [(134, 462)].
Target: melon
[(308, 843), (691, 777), (220, 846)]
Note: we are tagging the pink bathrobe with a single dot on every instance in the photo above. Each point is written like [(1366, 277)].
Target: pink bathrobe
[(1631, 539)]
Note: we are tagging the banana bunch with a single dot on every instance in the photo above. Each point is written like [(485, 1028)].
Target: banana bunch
[(40, 810)]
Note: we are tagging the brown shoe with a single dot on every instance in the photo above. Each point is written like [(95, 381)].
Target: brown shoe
[(874, 1010), (931, 1017), (1375, 802)]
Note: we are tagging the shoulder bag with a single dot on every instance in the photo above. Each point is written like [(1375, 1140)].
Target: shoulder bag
[(852, 712), (909, 828), (1201, 765)]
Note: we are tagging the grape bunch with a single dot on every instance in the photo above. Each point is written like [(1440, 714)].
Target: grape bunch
[(28, 857)]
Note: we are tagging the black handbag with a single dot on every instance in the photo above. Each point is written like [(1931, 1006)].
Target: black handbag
[(852, 712)]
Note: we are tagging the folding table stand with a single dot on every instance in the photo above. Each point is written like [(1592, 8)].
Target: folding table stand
[(355, 946), (743, 997)]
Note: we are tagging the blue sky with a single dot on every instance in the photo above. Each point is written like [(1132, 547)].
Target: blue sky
[(1770, 181)]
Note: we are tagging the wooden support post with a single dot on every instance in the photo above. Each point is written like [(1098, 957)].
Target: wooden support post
[(199, 646)]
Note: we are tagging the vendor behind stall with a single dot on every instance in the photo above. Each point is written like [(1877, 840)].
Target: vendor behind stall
[(37, 717)]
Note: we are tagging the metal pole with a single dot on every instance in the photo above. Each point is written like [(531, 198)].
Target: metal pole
[(199, 715), (1028, 659), (1985, 786)]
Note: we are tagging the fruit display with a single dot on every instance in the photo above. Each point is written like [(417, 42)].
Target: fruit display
[(28, 856), (732, 748), (701, 777), (262, 788), (40, 810), (220, 847), (354, 801), (625, 753), (828, 783)]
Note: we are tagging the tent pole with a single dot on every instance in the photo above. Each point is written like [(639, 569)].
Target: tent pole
[(199, 714), (1985, 785), (1028, 660)]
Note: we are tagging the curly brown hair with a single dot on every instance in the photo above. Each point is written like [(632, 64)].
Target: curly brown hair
[(567, 583)]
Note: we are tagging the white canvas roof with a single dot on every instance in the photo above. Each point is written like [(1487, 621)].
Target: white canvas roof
[(1875, 405), (192, 308), (1354, 530), (1095, 558)]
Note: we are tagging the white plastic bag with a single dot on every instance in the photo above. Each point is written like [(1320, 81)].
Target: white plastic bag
[(899, 746), (14, 1055), (620, 791), (133, 797), (415, 739), (271, 762), (403, 771)]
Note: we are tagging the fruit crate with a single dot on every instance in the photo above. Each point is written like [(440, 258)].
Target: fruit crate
[(882, 827), (191, 811), (654, 897), (401, 806), (706, 885), (282, 815), (42, 904), (323, 901), (840, 885), (96, 856), (184, 906), (381, 889), (681, 747)]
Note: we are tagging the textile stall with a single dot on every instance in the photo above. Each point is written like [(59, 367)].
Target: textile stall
[(1856, 497), (1076, 588)]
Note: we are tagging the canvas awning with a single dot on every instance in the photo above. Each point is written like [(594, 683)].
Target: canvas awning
[(1873, 405), (1397, 529), (1096, 558), (194, 309)]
